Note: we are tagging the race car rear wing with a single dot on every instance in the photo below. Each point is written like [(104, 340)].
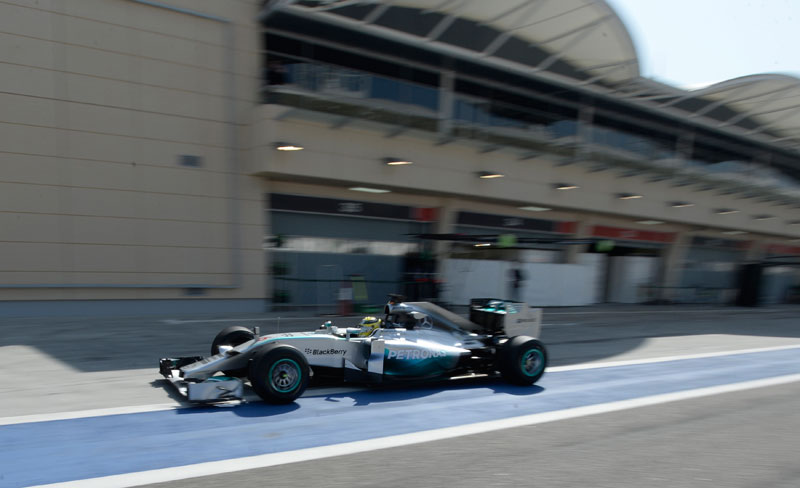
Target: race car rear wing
[(504, 317)]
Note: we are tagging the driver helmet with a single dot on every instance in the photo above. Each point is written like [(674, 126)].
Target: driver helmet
[(369, 325)]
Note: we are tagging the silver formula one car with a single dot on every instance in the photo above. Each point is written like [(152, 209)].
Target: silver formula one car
[(416, 341)]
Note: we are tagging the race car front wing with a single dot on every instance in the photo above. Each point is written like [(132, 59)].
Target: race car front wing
[(213, 389)]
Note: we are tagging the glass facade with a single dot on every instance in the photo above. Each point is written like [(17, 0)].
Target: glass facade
[(481, 98)]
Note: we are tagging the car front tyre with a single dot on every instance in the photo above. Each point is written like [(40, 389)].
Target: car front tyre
[(522, 360), (278, 373), (231, 337)]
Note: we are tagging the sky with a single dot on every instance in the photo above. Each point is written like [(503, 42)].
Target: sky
[(693, 43)]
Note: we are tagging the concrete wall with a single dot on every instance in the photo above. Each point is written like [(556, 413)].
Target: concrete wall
[(627, 276), (100, 100), (545, 284)]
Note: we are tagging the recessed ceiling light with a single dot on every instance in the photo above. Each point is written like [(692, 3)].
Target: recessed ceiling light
[(369, 190), (649, 222), (483, 244), (285, 146), (565, 186), (535, 209), (734, 232), (681, 204), (487, 175), (628, 196), (396, 162), (763, 217), (725, 211)]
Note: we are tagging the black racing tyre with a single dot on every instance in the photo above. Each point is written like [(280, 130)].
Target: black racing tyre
[(232, 336), (522, 360), (279, 373)]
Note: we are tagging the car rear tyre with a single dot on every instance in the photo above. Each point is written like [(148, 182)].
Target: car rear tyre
[(279, 373), (231, 337), (522, 360)]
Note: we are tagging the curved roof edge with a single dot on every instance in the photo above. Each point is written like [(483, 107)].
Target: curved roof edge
[(764, 104), (588, 35), (773, 99), (584, 41)]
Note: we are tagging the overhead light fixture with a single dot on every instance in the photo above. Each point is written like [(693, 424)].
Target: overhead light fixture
[(649, 222), (535, 209), (565, 186), (286, 146), (629, 196), (483, 244), (396, 162), (369, 190), (725, 211), (734, 232), (487, 175), (681, 204), (763, 217)]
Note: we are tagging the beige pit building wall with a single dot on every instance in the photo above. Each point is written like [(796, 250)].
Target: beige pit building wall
[(101, 101)]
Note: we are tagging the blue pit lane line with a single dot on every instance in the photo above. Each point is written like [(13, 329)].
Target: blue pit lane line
[(66, 450)]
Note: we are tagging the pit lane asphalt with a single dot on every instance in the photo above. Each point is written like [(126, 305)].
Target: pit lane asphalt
[(80, 350), (736, 440), (62, 364)]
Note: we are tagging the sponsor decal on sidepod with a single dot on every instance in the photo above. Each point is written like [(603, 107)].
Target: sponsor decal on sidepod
[(324, 352), (414, 354)]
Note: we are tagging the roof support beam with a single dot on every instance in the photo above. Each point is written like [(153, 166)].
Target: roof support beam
[(441, 6), (700, 93), (447, 21), (522, 20), (749, 113), (608, 69), (772, 122), (583, 32), (378, 11), (727, 101)]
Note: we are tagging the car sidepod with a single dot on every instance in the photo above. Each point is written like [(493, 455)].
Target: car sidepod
[(420, 359)]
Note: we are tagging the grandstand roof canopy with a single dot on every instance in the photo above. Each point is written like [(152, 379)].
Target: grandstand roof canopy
[(583, 39), (772, 99), (580, 40)]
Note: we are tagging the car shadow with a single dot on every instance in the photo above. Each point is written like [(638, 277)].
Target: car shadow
[(378, 394), (416, 390), (245, 409)]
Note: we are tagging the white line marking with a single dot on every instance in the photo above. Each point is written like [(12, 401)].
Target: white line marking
[(267, 460), (663, 359), (316, 392), (100, 412)]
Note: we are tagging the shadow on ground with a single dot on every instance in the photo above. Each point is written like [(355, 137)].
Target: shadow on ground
[(361, 398)]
